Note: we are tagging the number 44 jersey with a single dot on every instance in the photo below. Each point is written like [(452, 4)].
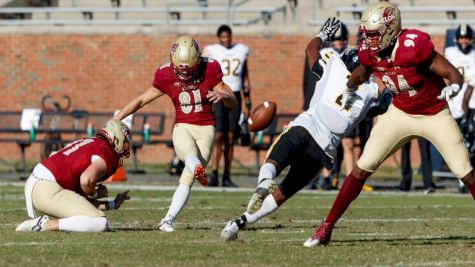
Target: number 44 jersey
[(191, 106), (328, 118)]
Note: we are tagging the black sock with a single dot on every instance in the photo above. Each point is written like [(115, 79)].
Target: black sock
[(215, 173), (241, 222)]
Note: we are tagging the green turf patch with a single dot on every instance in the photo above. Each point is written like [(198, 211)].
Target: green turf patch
[(378, 229)]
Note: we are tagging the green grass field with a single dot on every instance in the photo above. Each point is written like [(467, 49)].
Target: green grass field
[(379, 229)]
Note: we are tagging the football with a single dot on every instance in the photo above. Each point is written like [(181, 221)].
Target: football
[(261, 116)]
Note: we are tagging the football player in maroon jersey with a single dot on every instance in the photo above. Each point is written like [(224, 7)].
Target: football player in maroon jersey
[(67, 184), (406, 62), (193, 83)]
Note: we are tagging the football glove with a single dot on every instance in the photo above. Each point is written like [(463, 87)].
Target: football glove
[(329, 28), (449, 92)]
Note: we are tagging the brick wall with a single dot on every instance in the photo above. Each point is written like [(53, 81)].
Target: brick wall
[(101, 72)]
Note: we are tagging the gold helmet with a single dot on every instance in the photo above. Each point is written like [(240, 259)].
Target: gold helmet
[(185, 58), (118, 135), (380, 25)]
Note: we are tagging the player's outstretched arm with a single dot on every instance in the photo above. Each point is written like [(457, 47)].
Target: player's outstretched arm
[(222, 92), (327, 33), (146, 97), (444, 68)]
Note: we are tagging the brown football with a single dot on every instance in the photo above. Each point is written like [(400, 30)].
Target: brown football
[(261, 116)]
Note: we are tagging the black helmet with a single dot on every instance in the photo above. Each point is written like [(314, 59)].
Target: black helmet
[(464, 31), (341, 33), (350, 58)]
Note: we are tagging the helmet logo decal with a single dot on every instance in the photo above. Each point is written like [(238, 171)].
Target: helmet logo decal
[(388, 16)]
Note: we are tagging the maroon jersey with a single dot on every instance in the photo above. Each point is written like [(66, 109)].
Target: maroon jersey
[(68, 163), (415, 87), (191, 106)]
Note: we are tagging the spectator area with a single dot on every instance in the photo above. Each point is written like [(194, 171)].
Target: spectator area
[(274, 15)]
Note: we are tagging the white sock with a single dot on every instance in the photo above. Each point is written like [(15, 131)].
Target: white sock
[(190, 162), (268, 206), (81, 223), (181, 196), (267, 171)]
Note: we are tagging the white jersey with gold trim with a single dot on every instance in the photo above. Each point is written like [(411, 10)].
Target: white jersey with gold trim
[(465, 63), (327, 119), (232, 62)]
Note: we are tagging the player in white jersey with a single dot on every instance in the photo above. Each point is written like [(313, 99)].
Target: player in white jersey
[(346, 150), (309, 142), (462, 106), (233, 60)]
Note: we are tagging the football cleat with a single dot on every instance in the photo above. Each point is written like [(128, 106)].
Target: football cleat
[(200, 175), (230, 231), (321, 236), (33, 225), (265, 188), (166, 226)]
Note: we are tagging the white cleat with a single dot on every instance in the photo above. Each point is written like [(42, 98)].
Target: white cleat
[(266, 187), (166, 226), (34, 225), (230, 231), (309, 243)]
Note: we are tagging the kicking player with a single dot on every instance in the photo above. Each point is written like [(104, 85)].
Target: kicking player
[(67, 184), (193, 83), (312, 138)]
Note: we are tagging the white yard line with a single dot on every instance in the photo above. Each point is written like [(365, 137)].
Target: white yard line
[(119, 186)]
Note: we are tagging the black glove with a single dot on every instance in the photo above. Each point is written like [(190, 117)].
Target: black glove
[(329, 28)]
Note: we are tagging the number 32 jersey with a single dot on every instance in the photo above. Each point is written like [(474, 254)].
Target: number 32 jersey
[(328, 119), (232, 62), (191, 106)]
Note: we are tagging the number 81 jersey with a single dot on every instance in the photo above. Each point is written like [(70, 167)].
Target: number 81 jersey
[(191, 106)]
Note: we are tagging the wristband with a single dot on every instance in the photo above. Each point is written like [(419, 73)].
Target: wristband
[(111, 204)]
